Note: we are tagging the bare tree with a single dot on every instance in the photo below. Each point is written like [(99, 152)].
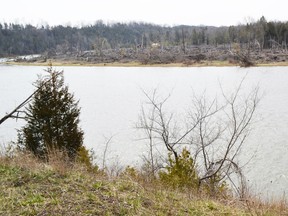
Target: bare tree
[(221, 143), (163, 127), (158, 125), (152, 161), (107, 143), (214, 133)]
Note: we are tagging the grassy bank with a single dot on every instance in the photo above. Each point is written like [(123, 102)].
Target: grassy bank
[(29, 187)]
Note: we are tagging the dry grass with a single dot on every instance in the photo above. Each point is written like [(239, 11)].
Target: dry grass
[(30, 187), (256, 206)]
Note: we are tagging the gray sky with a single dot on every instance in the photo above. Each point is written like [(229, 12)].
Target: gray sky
[(165, 12)]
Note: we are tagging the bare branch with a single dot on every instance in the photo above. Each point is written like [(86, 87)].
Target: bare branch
[(21, 105)]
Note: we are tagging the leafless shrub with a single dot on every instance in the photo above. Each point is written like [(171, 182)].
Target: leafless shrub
[(214, 133)]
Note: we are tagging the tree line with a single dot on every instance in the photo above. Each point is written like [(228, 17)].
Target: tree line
[(18, 39)]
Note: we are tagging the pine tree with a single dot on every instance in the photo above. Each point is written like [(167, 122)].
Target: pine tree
[(52, 119)]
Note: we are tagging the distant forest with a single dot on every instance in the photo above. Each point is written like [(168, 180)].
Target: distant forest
[(16, 39)]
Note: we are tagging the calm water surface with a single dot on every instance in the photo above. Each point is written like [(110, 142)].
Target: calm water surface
[(111, 100)]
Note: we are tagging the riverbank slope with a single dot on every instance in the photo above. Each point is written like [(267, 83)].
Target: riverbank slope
[(29, 187)]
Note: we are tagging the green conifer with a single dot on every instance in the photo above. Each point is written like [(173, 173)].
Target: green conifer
[(52, 119)]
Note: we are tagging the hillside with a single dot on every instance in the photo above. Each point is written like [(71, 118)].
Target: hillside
[(29, 187)]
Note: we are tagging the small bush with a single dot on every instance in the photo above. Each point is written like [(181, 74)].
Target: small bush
[(85, 158), (181, 172)]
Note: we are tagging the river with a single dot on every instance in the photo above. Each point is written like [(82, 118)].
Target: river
[(111, 99)]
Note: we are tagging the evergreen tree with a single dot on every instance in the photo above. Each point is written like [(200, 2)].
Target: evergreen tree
[(52, 119)]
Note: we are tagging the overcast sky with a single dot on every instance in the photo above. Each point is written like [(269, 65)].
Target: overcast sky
[(164, 12)]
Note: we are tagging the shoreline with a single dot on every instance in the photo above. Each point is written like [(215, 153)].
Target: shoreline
[(138, 64)]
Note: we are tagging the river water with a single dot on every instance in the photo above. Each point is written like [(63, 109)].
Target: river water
[(111, 99)]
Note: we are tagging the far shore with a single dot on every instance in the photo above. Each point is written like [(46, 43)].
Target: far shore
[(138, 64)]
